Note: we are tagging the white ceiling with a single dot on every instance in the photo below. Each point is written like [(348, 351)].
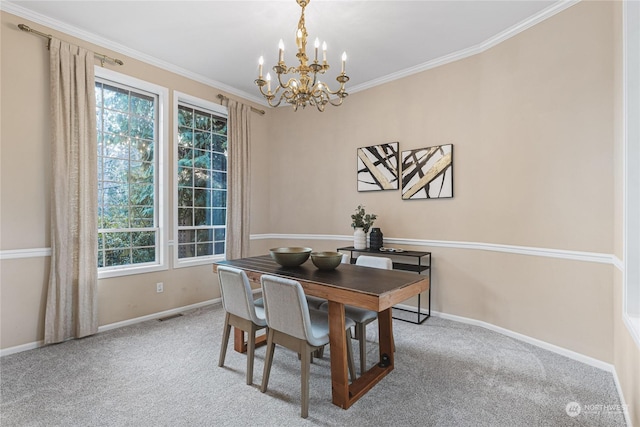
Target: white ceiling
[(219, 42)]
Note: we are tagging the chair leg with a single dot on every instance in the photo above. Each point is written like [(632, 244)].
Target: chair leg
[(361, 332), (251, 346), (268, 358), (304, 381), (225, 340), (352, 366)]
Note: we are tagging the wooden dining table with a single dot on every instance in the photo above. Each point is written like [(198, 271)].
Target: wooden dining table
[(365, 287)]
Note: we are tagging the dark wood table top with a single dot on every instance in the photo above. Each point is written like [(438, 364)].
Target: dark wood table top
[(376, 288)]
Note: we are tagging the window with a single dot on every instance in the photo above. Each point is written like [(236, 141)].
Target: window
[(130, 236), (201, 191)]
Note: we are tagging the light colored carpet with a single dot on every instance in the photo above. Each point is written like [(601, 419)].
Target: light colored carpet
[(166, 374)]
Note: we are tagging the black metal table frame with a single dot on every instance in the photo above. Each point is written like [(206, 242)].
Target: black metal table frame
[(419, 268)]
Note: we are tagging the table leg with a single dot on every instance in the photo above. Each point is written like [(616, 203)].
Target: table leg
[(385, 336), (240, 344), (339, 368)]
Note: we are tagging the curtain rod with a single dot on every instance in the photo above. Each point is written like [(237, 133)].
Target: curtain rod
[(100, 56), (221, 97)]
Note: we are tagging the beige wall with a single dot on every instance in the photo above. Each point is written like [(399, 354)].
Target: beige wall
[(536, 156), (532, 129), (535, 164), (25, 194)]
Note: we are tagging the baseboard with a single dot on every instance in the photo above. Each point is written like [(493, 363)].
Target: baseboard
[(158, 315), (625, 407), (21, 348), (116, 325), (533, 341)]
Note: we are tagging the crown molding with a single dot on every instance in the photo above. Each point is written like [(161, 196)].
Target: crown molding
[(474, 50), (456, 56), (122, 49)]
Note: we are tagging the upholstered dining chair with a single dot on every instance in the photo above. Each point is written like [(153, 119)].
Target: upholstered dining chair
[(241, 312), (292, 324), (313, 302), (361, 316)]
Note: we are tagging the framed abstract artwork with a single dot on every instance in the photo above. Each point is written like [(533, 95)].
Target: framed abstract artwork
[(427, 173), (378, 167)]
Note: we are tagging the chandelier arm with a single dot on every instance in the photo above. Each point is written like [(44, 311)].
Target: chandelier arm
[(336, 104), (320, 101), (289, 96), (272, 104), (283, 85), (272, 94), (336, 92), (336, 101)]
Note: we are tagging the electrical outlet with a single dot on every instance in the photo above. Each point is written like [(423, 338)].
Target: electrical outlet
[(159, 287)]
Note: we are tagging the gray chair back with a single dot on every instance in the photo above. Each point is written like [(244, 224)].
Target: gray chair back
[(237, 297), (286, 307), (375, 262)]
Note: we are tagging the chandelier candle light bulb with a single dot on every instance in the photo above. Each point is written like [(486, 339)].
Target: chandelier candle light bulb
[(299, 39), (305, 87), (316, 44)]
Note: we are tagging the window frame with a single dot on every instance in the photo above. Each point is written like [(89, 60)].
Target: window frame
[(221, 110), (160, 155)]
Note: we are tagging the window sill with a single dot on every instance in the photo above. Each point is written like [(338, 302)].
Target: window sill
[(128, 271), (191, 262)]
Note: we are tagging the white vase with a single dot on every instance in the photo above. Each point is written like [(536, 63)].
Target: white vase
[(359, 239)]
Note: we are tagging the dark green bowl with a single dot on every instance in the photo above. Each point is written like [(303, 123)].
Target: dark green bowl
[(290, 257), (326, 260)]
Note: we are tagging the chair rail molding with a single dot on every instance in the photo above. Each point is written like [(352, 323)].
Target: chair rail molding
[(494, 247), (25, 253)]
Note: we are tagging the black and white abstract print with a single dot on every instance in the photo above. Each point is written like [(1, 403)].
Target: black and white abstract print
[(427, 173), (378, 167)]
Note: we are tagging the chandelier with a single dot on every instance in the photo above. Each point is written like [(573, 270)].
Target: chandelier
[(306, 88)]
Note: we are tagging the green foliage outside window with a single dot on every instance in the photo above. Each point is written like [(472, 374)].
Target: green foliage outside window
[(126, 127), (202, 182)]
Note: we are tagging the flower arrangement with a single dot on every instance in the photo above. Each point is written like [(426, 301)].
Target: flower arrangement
[(362, 219)]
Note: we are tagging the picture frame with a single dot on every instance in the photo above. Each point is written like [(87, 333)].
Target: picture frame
[(427, 173), (377, 167)]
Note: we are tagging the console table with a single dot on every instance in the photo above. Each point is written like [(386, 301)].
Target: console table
[(418, 267)]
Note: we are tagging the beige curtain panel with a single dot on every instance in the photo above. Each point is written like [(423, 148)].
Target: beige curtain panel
[(238, 184), (71, 310)]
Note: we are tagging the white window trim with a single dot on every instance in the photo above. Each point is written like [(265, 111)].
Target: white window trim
[(222, 111), (631, 168), (161, 174)]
